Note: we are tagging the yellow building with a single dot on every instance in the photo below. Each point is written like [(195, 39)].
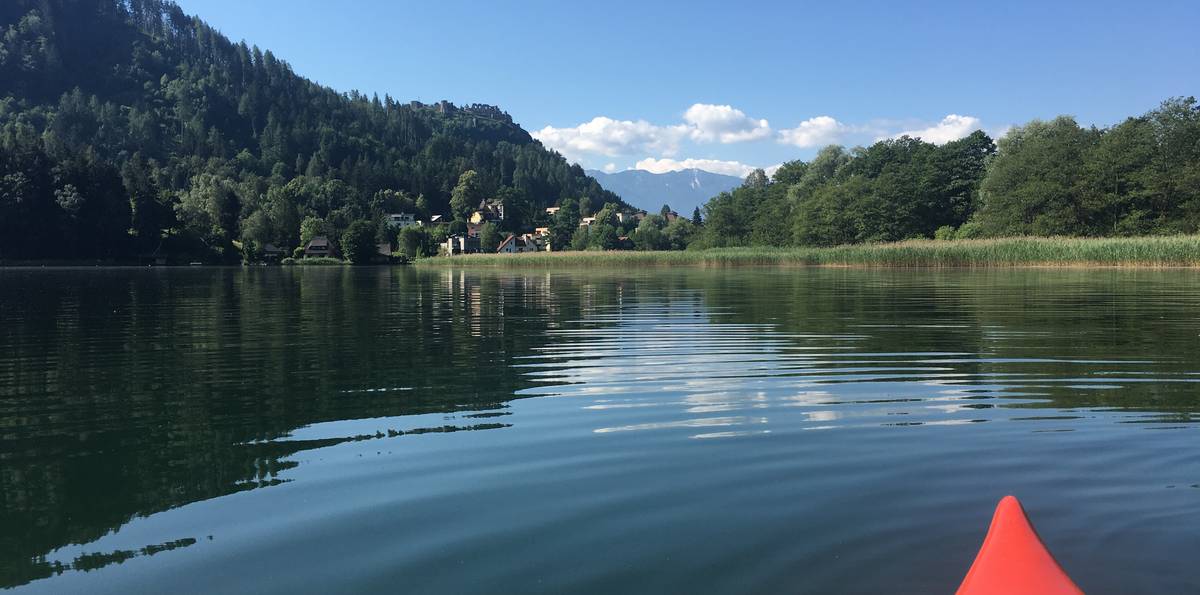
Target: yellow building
[(488, 211)]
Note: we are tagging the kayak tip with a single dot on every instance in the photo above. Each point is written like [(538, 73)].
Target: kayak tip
[(1013, 560)]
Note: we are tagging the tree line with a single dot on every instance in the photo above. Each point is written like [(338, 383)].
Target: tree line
[(1046, 178), (128, 128)]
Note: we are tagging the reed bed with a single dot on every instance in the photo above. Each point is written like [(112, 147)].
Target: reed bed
[(1157, 251)]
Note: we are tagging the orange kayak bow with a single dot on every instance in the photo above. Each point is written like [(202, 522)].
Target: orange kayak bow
[(1013, 559)]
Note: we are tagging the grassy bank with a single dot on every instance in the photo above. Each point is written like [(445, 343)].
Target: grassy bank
[(316, 261), (1168, 251)]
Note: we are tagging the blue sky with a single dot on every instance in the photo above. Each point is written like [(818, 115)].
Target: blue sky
[(729, 85)]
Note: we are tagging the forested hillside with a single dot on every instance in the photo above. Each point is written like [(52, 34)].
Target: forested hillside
[(1138, 177), (129, 129)]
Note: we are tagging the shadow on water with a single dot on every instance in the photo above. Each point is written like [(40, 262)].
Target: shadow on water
[(127, 392)]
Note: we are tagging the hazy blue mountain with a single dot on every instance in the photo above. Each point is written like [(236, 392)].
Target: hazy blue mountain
[(684, 190)]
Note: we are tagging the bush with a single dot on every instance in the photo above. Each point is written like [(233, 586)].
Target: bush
[(678, 233), (415, 242), (358, 242), (581, 239), (970, 230), (489, 237), (945, 232), (288, 261)]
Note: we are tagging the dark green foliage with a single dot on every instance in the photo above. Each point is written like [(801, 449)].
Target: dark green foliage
[(1034, 185), (358, 242), (649, 236), (466, 195), (790, 173), (131, 129), (754, 214), (581, 239), (602, 236), (415, 242), (893, 190), (1139, 177), (519, 214), (489, 237), (678, 234), (565, 224)]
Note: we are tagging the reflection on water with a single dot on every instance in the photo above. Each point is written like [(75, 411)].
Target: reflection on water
[(711, 431)]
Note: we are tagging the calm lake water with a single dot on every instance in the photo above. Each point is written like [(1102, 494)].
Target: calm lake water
[(660, 431)]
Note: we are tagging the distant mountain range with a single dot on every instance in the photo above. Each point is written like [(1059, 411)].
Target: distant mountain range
[(684, 190)]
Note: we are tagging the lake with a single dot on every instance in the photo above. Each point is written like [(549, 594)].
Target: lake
[(321, 430)]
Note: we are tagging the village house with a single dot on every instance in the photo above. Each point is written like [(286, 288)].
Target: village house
[(461, 245), (273, 253), (541, 231), (587, 222), (402, 220), (631, 217), (320, 246), (552, 211), (540, 241), (489, 210), (514, 244)]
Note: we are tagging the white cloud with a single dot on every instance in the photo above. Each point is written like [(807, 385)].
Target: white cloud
[(952, 127), (610, 167), (729, 168), (814, 132), (723, 123), (609, 137), (604, 137)]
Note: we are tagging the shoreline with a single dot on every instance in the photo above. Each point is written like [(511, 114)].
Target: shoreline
[(1147, 252), (1163, 252)]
